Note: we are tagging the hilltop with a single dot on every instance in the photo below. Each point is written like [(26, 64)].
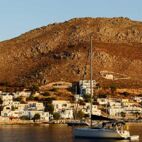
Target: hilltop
[(59, 52)]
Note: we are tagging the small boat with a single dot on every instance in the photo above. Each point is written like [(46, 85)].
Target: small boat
[(107, 130)]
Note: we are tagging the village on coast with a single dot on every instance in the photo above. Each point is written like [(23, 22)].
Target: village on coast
[(25, 107)]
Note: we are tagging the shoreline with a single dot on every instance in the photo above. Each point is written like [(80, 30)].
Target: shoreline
[(31, 122), (50, 123)]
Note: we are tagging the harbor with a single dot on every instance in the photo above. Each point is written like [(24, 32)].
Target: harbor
[(52, 133)]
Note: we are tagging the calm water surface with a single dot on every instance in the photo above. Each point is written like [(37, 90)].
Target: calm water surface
[(51, 133)]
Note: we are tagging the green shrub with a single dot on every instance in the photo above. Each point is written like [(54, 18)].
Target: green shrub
[(56, 116), (36, 117)]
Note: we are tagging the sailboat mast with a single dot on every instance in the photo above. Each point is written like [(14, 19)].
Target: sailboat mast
[(91, 78)]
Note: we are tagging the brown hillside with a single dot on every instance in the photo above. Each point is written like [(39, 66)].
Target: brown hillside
[(59, 52)]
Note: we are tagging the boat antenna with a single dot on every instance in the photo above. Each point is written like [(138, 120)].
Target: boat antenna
[(91, 78)]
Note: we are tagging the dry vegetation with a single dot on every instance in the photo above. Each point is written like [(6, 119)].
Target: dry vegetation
[(59, 52)]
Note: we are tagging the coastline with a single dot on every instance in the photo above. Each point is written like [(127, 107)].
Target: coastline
[(20, 122), (31, 122)]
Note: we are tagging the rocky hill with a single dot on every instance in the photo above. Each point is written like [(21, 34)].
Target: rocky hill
[(59, 52)]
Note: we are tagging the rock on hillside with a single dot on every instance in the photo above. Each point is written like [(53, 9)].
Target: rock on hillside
[(59, 51)]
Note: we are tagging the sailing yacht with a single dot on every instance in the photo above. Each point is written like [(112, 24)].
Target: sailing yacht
[(108, 130), (111, 130)]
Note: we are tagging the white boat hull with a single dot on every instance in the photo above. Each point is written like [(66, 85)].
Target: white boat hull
[(100, 133)]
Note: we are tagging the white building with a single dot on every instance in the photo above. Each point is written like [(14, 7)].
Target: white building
[(33, 105), (63, 107), (125, 102), (14, 109), (44, 116), (15, 104), (60, 105), (138, 99), (23, 93), (114, 104), (85, 86), (95, 110), (66, 114), (109, 76), (115, 107), (7, 99), (115, 111), (132, 108)]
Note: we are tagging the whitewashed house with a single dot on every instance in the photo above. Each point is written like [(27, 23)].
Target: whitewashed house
[(14, 109), (20, 111), (64, 108), (23, 93), (85, 86), (115, 107), (114, 104), (109, 76), (138, 99), (95, 110), (125, 102), (66, 114), (132, 108), (115, 111), (7, 99), (33, 105), (15, 104), (6, 110), (44, 116), (60, 105)]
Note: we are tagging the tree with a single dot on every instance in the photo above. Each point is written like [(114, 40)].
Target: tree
[(49, 108), (125, 94), (1, 108), (56, 115), (140, 104), (49, 99), (34, 88), (102, 95), (81, 102), (80, 114), (36, 117), (87, 97), (24, 118), (13, 108), (46, 94), (1, 101), (31, 97), (98, 86), (113, 88), (54, 90), (123, 114)]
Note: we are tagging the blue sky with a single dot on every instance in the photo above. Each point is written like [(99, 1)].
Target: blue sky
[(19, 16)]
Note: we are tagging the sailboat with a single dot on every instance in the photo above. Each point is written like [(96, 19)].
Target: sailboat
[(110, 130)]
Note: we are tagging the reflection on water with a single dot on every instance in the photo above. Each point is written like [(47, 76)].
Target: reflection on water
[(51, 133)]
